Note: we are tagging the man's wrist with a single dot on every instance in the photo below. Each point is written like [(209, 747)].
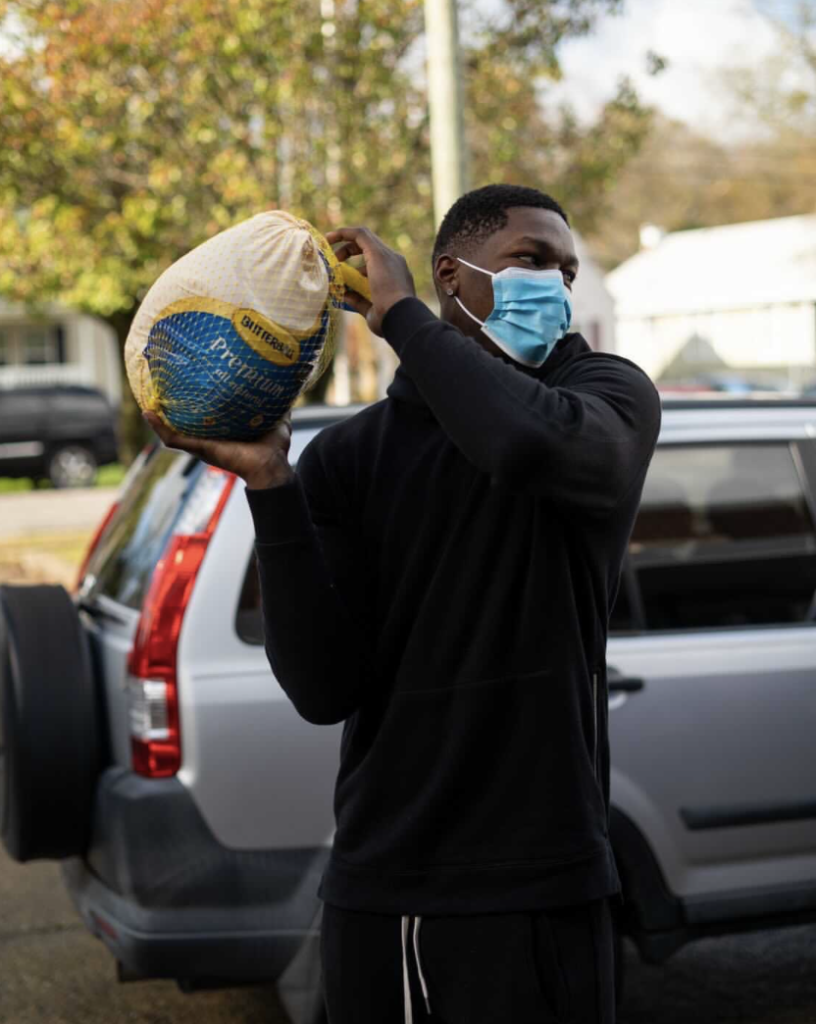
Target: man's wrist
[(395, 297), (264, 479), (403, 320)]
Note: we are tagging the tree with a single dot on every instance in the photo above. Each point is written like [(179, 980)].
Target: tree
[(134, 129), (764, 167)]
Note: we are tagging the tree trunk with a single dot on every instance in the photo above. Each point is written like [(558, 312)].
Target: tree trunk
[(134, 433)]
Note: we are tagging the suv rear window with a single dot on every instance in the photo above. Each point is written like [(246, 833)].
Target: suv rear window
[(151, 506), (724, 537)]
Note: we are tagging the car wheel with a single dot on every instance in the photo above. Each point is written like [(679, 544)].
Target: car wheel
[(49, 725), (72, 465)]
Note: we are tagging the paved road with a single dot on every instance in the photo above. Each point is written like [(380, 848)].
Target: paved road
[(764, 978), (63, 511), (53, 972)]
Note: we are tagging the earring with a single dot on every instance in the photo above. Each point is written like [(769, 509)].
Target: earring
[(450, 291)]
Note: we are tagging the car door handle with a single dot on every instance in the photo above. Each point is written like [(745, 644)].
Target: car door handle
[(623, 684)]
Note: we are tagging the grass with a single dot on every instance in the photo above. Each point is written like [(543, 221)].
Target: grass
[(69, 547), (111, 476), (43, 558), (108, 476)]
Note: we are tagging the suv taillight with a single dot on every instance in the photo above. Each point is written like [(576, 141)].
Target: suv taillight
[(155, 731)]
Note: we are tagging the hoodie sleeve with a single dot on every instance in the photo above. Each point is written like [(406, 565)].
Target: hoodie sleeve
[(313, 594), (584, 444)]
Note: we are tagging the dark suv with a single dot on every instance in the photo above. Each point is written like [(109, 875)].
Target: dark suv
[(62, 434)]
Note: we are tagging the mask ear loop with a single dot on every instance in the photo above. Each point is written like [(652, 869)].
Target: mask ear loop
[(464, 309), (449, 291), (474, 267), (461, 305)]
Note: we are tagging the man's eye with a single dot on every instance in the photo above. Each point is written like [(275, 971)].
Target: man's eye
[(527, 256)]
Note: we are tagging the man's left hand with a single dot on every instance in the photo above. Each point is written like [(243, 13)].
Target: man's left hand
[(386, 270)]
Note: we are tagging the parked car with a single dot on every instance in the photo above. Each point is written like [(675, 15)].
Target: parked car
[(61, 433), (192, 807)]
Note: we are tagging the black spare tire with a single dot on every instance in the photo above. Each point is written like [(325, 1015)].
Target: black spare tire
[(49, 725)]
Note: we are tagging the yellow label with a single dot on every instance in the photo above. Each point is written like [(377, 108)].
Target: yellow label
[(268, 339), (198, 304)]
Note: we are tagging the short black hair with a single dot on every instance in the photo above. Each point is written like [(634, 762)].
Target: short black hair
[(477, 214)]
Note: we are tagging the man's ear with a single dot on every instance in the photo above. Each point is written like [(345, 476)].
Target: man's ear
[(446, 274)]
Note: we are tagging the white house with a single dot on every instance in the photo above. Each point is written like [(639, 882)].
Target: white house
[(61, 347), (741, 297), (593, 307)]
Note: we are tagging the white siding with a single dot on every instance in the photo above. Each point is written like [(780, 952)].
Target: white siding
[(593, 312), (764, 336), (748, 291)]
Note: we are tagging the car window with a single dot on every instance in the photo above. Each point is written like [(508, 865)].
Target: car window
[(84, 405), (248, 621), (154, 500), (724, 538)]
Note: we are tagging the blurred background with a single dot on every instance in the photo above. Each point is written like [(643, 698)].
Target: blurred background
[(680, 137)]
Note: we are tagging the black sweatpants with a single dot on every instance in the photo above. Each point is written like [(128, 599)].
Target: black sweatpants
[(546, 967)]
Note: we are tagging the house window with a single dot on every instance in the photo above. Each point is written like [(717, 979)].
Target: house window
[(39, 345)]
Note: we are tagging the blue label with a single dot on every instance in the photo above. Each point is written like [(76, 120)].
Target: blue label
[(210, 383)]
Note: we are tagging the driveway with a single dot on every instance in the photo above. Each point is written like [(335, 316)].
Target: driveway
[(54, 972), (23, 513)]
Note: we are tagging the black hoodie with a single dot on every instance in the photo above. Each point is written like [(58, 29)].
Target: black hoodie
[(440, 576)]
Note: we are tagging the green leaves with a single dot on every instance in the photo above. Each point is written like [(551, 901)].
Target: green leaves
[(133, 129)]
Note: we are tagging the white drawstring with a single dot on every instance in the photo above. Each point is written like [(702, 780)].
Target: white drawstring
[(406, 982), (419, 966)]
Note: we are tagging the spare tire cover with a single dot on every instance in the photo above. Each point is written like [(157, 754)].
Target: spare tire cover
[(49, 725)]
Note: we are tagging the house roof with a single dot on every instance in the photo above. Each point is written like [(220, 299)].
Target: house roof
[(737, 266)]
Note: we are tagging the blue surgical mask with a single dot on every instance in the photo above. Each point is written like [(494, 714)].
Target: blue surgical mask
[(531, 312)]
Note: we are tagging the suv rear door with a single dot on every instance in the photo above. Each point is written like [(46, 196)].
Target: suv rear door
[(714, 758), (260, 775), (118, 574)]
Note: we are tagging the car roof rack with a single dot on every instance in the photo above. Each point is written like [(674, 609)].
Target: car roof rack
[(723, 401)]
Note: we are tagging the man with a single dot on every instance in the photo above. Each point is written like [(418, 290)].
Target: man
[(439, 575)]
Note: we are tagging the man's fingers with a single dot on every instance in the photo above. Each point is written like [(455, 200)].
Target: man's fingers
[(346, 251), (170, 439), (361, 241), (357, 302)]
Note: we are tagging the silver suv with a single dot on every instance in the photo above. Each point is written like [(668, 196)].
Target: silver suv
[(149, 746)]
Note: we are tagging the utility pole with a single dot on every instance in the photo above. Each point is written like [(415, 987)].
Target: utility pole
[(445, 103)]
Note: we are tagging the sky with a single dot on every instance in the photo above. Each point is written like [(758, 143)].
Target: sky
[(698, 38)]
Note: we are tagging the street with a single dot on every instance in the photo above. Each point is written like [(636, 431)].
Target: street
[(54, 972), (26, 513)]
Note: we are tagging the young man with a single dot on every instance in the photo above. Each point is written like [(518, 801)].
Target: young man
[(439, 575)]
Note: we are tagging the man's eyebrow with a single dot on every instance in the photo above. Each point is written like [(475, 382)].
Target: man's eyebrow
[(543, 246)]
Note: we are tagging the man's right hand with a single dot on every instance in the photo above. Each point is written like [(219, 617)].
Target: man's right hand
[(262, 463)]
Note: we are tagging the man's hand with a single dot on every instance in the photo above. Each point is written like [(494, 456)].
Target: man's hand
[(262, 463), (385, 269)]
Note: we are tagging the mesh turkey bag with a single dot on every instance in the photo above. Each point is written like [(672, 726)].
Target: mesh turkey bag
[(230, 335)]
